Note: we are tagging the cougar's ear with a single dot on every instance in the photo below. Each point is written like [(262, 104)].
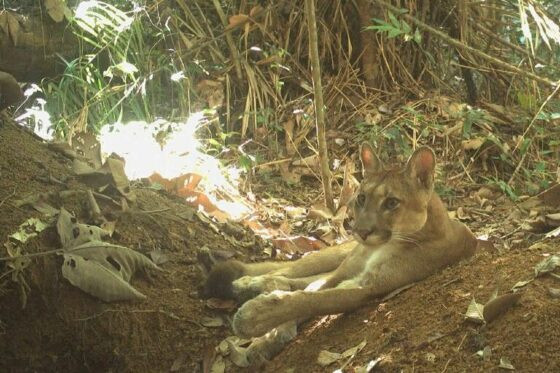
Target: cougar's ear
[(422, 165), (370, 162)]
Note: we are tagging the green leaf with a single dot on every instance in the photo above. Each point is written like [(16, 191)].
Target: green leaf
[(417, 37), (405, 27), (393, 33), (394, 20)]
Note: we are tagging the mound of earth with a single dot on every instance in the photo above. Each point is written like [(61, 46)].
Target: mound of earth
[(422, 329)]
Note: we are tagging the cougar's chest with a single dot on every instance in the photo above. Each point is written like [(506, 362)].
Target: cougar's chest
[(375, 261)]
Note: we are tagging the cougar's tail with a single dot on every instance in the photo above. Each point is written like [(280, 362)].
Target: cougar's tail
[(220, 279)]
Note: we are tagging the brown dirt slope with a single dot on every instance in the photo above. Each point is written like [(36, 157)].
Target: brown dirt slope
[(419, 330)]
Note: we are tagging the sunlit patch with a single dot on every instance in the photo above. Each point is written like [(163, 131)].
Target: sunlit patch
[(177, 76), (324, 321), (172, 150), (316, 285), (483, 237), (36, 117), (280, 293)]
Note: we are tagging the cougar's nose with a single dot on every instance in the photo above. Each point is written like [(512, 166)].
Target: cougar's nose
[(363, 233)]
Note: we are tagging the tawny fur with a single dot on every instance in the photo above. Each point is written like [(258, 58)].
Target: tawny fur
[(403, 235)]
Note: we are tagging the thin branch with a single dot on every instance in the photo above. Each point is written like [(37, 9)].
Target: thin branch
[(525, 133), (506, 43), (459, 45), (204, 44)]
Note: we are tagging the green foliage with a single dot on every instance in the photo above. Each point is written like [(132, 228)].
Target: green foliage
[(395, 28), (121, 74)]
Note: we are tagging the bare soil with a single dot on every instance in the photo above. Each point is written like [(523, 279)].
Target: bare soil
[(421, 330)]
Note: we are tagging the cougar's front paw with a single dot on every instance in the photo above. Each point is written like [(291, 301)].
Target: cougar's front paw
[(258, 316), (248, 287)]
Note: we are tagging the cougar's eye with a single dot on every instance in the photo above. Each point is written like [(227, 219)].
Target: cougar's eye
[(361, 199), (391, 203)]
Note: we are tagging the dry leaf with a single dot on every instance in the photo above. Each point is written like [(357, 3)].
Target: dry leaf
[(219, 365), (554, 293), (473, 144), (220, 304), (518, 285), (237, 354), (327, 358), (298, 243), (236, 20), (475, 312), (319, 212), (72, 233), (255, 10), (547, 265), (57, 9), (10, 25), (97, 280), (13, 25), (120, 259), (485, 354), (505, 364), (212, 322)]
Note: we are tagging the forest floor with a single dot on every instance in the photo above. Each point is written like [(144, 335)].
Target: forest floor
[(422, 329)]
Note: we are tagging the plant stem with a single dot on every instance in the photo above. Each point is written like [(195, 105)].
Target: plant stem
[(319, 106)]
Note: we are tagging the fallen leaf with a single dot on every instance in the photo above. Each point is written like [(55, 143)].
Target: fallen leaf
[(95, 279), (298, 243), (219, 365), (475, 312), (554, 293), (220, 304), (158, 257), (485, 353), (319, 212), (327, 358), (505, 364), (73, 234), (354, 350), (430, 357), (29, 229), (295, 212), (553, 233), (518, 285), (547, 265), (212, 322), (237, 354)]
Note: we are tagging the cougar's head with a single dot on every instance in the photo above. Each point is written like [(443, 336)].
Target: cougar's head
[(392, 202)]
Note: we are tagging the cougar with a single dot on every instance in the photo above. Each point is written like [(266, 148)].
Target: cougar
[(402, 235)]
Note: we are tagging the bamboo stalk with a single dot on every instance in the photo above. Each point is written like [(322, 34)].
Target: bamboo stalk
[(319, 106), (229, 40)]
